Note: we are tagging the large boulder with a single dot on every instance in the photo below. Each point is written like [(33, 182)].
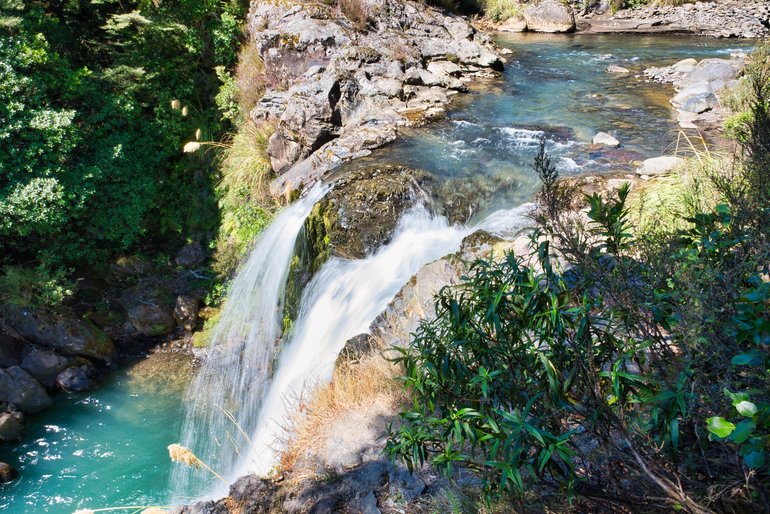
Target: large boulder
[(43, 366), (515, 23), (150, 309), (190, 255), (550, 16), (20, 389), (11, 425), (186, 311), (715, 72), (62, 333), (697, 98)]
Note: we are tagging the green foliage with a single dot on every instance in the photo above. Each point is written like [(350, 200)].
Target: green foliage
[(90, 160), (526, 365), (501, 10), (34, 287)]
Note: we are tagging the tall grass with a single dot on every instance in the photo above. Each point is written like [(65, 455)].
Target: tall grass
[(500, 10)]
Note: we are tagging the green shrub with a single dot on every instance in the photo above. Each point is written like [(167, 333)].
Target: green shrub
[(34, 287)]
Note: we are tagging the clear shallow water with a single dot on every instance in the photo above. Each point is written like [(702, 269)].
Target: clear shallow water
[(108, 448), (556, 86), (105, 448)]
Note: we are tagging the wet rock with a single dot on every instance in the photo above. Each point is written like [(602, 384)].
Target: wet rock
[(550, 16), (11, 425), (516, 23), (659, 165), (62, 333), (20, 389), (190, 255), (76, 378), (7, 473), (362, 211), (44, 366), (605, 139), (149, 309), (186, 311)]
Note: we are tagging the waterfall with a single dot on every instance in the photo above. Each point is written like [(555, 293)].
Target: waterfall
[(340, 302), (225, 397)]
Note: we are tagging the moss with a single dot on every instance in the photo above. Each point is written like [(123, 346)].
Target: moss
[(210, 316)]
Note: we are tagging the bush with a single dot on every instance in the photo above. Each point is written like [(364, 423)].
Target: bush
[(638, 366), (34, 287)]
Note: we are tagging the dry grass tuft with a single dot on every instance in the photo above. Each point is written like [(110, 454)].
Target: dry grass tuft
[(356, 11), (369, 384), (250, 77)]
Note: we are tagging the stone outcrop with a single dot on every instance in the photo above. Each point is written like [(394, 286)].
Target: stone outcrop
[(659, 165), (336, 91), (64, 334), (150, 309), (23, 391), (726, 18), (549, 16)]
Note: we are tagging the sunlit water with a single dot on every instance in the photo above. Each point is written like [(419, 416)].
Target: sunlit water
[(108, 447)]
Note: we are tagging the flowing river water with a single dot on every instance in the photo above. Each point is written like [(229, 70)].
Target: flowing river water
[(107, 448)]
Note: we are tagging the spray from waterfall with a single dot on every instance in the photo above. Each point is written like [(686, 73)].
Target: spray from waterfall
[(224, 399)]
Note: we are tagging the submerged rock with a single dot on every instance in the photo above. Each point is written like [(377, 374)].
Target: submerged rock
[(20, 389), (550, 16), (605, 139), (7, 473)]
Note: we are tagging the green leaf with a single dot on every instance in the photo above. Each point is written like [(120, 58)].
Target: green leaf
[(719, 426), (746, 408), (742, 431), (755, 459)]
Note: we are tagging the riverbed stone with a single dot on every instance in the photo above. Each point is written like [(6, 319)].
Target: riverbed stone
[(613, 68), (61, 332), (11, 425), (516, 23), (659, 165), (605, 139), (697, 99), (549, 16), (20, 389)]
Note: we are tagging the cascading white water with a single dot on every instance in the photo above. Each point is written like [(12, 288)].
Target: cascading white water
[(341, 302), (235, 375)]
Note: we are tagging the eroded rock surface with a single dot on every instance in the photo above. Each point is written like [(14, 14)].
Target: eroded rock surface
[(337, 92)]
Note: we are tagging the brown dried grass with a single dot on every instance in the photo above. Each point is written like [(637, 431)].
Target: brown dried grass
[(369, 383)]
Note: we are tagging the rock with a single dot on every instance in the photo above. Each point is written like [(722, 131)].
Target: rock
[(186, 311), (617, 69), (714, 72), (550, 16), (7, 473), (605, 139), (20, 389), (405, 484), (516, 23), (190, 255), (149, 309), (43, 366), (697, 99), (659, 165), (60, 332), (76, 378), (11, 425), (687, 119), (11, 349), (365, 505)]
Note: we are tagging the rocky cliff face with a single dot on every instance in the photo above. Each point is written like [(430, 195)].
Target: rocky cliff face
[(340, 88)]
